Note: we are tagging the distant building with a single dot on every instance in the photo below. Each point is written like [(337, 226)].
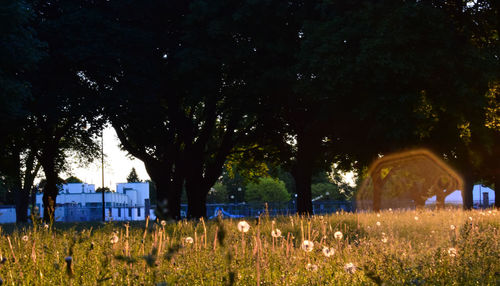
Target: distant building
[(481, 197), (80, 202)]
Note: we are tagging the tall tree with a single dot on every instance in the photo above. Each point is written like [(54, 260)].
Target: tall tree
[(201, 109), (375, 79), (133, 177), (20, 52), (64, 117)]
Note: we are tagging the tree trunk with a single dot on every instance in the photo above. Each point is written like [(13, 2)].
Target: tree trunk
[(50, 190), (497, 191), (21, 198), (24, 192), (197, 197), (168, 195), (467, 191), (302, 173), (377, 191), (22, 202)]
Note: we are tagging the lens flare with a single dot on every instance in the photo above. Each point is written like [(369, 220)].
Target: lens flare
[(407, 180)]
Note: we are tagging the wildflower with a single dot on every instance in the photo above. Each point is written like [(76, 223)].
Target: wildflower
[(163, 223), (243, 226), (384, 239), (338, 235), (328, 251), (378, 215), (350, 268), (390, 209), (114, 238), (307, 245), (452, 252), (46, 226), (25, 238), (452, 227), (312, 267), (276, 233), (378, 223), (470, 218), (189, 239), (416, 217)]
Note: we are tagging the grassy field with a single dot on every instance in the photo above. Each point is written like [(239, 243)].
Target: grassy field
[(449, 247)]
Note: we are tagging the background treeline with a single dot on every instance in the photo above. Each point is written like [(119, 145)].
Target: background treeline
[(193, 86)]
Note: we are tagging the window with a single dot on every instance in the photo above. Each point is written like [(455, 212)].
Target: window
[(119, 212), (130, 212), (138, 211)]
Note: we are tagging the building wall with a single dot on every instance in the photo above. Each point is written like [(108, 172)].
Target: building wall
[(80, 202)]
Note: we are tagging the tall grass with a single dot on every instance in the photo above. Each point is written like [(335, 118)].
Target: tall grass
[(449, 247)]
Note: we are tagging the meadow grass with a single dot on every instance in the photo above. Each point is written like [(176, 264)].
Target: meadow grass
[(448, 247)]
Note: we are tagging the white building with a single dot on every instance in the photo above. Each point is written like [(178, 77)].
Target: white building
[(80, 202), (481, 197)]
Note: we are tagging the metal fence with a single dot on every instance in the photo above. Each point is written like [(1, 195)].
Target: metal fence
[(273, 209)]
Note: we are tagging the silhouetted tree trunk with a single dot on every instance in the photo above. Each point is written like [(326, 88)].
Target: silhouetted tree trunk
[(467, 191), (197, 197), (303, 171), (24, 187), (168, 189), (21, 198), (377, 191), (497, 191), (50, 190)]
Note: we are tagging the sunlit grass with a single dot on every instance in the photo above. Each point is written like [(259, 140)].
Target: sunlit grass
[(450, 247)]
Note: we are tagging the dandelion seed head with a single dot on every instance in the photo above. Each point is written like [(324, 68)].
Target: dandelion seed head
[(452, 227), (163, 223), (384, 239), (25, 238), (312, 267), (243, 226), (452, 252), (307, 245), (338, 235), (114, 238), (189, 240), (328, 251), (276, 233), (378, 223), (350, 268), (416, 218)]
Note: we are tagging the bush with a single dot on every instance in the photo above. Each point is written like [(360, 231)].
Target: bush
[(267, 190)]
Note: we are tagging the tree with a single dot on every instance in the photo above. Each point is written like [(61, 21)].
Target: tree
[(20, 53), (267, 190), (326, 191), (359, 82), (218, 194), (186, 130), (100, 189), (132, 177), (63, 113), (72, 179)]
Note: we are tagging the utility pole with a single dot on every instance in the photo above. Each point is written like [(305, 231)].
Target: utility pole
[(102, 162)]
